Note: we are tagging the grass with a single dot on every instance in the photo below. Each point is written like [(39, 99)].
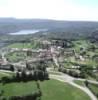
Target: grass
[(16, 89), (51, 90), (20, 45), (80, 43), (16, 56), (55, 90), (69, 63), (31, 45), (93, 88), (2, 74), (86, 45), (81, 83), (90, 77)]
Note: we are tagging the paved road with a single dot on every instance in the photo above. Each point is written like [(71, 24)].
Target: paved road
[(90, 81), (54, 57), (69, 80)]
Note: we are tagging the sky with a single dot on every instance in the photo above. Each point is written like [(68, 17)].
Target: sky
[(84, 10)]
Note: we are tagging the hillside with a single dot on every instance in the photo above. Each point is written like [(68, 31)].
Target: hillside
[(58, 28)]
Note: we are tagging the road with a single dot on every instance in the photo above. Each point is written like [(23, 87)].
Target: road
[(54, 57), (70, 80), (67, 78)]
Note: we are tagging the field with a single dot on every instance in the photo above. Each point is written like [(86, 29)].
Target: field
[(94, 88), (16, 56), (80, 44), (20, 45), (16, 89), (51, 90), (3, 74), (81, 83), (30, 45), (55, 90)]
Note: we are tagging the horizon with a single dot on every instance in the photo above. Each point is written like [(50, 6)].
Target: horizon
[(48, 19), (63, 10)]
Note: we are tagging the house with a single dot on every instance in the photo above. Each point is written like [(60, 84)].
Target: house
[(1, 61), (7, 67)]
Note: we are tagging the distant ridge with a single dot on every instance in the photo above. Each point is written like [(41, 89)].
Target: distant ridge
[(9, 25)]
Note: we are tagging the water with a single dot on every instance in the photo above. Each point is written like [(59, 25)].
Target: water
[(25, 32)]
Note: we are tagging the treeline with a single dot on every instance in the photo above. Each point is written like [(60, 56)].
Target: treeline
[(33, 96), (23, 76), (36, 73)]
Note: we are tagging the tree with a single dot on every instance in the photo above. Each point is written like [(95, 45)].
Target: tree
[(12, 67), (28, 66), (29, 53), (24, 76), (46, 75), (86, 83), (40, 75), (17, 76)]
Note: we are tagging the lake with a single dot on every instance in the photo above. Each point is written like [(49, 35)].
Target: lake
[(25, 32)]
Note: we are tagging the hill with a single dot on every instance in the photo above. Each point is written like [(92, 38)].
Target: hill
[(58, 28)]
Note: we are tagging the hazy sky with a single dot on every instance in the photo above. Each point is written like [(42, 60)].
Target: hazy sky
[(51, 9)]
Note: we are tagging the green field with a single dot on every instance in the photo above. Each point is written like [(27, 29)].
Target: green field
[(2, 74), (93, 88), (20, 45), (16, 56), (51, 90), (16, 89), (55, 90), (31, 45), (80, 43), (81, 83)]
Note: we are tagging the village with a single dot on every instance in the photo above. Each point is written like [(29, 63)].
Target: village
[(58, 59)]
